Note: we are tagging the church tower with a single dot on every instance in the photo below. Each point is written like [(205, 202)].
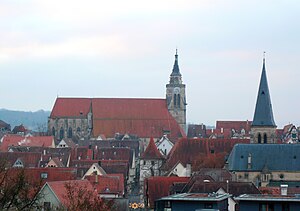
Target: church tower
[(175, 95), (263, 128)]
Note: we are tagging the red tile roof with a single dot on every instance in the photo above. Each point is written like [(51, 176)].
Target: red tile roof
[(109, 183), (71, 107), (151, 151), (112, 154), (143, 117), (29, 159), (30, 141), (225, 133), (157, 187), (109, 166), (188, 150), (236, 125), (58, 187), (53, 174)]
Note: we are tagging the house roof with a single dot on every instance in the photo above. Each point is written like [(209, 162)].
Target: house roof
[(4, 124), (236, 125), (17, 140), (234, 188), (57, 162), (263, 115), (196, 131), (218, 174), (109, 183), (60, 191), (158, 187), (53, 174), (188, 150), (276, 157), (151, 151), (71, 107), (29, 159), (115, 153), (271, 198), (196, 197), (46, 153), (19, 129)]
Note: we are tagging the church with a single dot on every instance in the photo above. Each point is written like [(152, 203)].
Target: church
[(93, 117), (264, 161)]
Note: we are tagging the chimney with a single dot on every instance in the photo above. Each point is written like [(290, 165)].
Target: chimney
[(188, 170), (283, 190)]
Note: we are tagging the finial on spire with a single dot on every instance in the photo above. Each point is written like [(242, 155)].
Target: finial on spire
[(264, 56), (176, 51)]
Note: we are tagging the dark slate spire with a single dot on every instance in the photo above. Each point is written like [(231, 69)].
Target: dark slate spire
[(263, 115), (175, 71)]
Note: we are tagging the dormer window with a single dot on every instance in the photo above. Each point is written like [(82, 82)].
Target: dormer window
[(18, 164)]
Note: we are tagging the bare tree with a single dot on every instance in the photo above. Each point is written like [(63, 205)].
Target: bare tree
[(79, 197), (16, 192)]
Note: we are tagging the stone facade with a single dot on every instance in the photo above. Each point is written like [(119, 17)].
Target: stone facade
[(70, 127), (262, 179), (263, 135)]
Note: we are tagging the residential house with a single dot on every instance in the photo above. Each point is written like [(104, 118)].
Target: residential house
[(53, 195)]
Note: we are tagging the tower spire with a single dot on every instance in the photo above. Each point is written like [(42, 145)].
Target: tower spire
[(175, 71), (263, 115)]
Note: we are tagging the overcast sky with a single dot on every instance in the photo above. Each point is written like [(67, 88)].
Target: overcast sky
[(126, 49)]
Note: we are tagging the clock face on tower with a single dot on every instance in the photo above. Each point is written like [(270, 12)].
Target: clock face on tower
[(176, 90)]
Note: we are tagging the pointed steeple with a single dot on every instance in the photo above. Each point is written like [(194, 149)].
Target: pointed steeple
[(263, 115), (151, 151), (175, 71)]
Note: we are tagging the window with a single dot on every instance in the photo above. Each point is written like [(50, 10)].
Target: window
[(78, 129), (175, 100), (152, 163), (53, 131), (265, 138), (44, 175), (259, 139), (208, 205), (246, 175), (266, 207), (70, 133), (61, 133), (47, 205), (178, 101)]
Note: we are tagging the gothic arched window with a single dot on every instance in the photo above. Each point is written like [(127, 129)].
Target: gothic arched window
[(61, 133), (53, 131), (259, 139), (175, 99), (178, 101), (265, 138), (70, 132)]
